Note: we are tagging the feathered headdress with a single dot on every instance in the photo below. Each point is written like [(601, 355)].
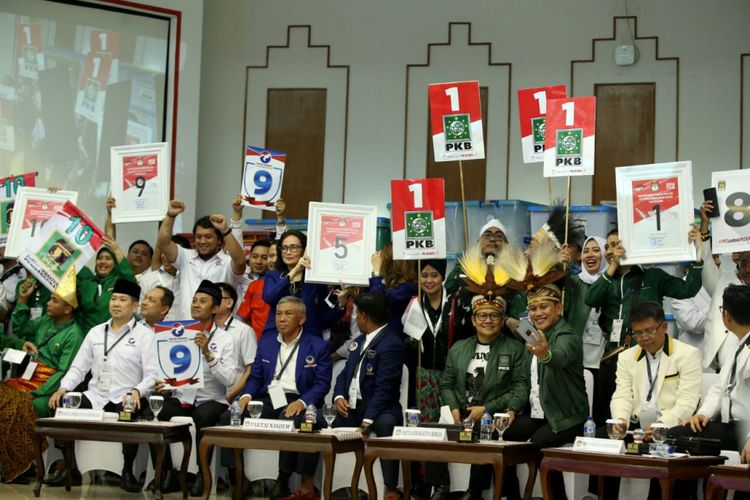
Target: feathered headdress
[(481, 275), (542, 266), (554, 229)]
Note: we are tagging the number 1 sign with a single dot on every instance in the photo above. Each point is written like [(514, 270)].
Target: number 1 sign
[(140, 182), (262, 177), (456, 121), (179, 357), (68, 239), (9, 188), (731, 230), (655, 212), (569, 137), (418, 219), (532, 111), (32, 210)]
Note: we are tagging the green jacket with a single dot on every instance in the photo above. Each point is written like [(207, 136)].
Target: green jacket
[(562, 390), (506, 377), (576, 310), (59, 344), (608, 293), (39, 298), (93, 302)]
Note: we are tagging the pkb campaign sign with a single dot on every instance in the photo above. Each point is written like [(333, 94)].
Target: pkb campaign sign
[(456, 121), (418, 218), (179, 357), (532, 111), (569, 138), (262, 177)]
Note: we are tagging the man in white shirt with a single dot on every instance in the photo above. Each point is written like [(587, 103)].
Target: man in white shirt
[(119, 354), (166, 276), (206, 261), (155, 306), (291, 370), (220, 371), (245, 340), (725, 411)]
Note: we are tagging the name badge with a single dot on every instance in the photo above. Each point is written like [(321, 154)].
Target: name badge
[(616, 331), (352, 397), (35, 312), (420, 434), (278, 397), (503, 362), (104, 381)]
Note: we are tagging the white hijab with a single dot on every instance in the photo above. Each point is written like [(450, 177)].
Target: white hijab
[(586, 276)]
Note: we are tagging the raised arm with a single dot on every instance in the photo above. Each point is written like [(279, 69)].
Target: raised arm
[(164, 239), (109, 228), (231, 245)]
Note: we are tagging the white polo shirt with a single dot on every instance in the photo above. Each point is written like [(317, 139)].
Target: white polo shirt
[(193, 269)]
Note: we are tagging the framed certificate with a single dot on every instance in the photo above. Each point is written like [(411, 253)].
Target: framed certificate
[(731, 229), (655, 212), (340, 242), (9, 187), (140, 182), (32, 210)]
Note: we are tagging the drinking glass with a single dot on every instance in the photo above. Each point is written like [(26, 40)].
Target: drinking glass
[(329, 414), (659, 432), (75, 399), (255, 408), (616, 428), (502, 421), (156, 403), (412, 417)]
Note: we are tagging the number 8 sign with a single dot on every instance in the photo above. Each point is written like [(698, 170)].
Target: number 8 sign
[(731, 230), (263, 176)]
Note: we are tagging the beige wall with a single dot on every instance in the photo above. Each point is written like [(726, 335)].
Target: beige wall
[(378, 39)]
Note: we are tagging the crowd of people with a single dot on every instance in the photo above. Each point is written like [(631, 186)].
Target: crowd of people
[(269, 336)]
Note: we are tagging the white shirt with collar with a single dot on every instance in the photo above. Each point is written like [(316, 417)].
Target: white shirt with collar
[(193, 269), (130, 361), (288, 379), (355, 378), (218, 375), (245, 341), (150, 279), (717, 401)]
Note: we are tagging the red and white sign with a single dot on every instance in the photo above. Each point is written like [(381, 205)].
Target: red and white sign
[(263, 176), (569, 137), (140, 182), (32, 209), (9, 187), (654, 196), (137, 169), (68, 239), (29, 48), (532, 111), (418, 219), (456, 121), (179, 357), (99, 71)]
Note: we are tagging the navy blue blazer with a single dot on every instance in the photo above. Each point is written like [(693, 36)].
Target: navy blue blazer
[(379, 375), (313, 368)]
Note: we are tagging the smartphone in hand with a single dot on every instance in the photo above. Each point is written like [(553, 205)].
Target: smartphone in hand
[(525, 329)]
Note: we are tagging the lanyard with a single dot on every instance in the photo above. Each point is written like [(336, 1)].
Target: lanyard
[(106, 332), (651, 379), (229, 323), (285, 363), (436, 327)]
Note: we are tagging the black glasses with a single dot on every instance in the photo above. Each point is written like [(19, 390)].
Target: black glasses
[(290, 248), (489, 235), (482, 317), (648, 332)]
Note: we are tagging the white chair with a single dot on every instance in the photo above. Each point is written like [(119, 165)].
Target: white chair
[(101, 455), (344, 467)]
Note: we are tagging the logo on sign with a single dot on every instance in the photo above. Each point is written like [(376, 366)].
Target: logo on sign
[(539, 126), (177, 330), (131, 340), (457, 132), (266, 157), (58, 253), (569, 146), (419, 229)]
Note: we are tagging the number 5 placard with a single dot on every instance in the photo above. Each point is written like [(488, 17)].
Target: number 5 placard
[(340, 242), (262, 177), (32, 210), (140, 182), (418, 218), (569, 137), (179, 357), (655, 212), (731, 230), (456, 121)]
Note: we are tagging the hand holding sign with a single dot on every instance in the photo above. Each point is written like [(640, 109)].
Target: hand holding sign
[(179, 355)]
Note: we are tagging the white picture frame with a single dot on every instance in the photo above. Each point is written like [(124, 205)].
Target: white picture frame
[(730, 233), (27, 200), (141, 195), (340, 242), (655, 212)]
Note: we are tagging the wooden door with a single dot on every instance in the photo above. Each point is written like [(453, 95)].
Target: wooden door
[(625, 118), (296, 125)]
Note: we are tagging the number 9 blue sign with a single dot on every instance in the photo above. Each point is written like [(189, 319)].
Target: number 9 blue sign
[(263, 176), (180, 357)]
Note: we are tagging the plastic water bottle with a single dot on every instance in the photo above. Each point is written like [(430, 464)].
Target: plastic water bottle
[(311, 414), (128, 405), (589, 428), (235, 414), (485, 433)]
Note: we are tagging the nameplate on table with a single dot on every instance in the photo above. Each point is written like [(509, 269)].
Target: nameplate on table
[(268, 424), (599, 445), (420, 434), (79, 414), (14, 356)]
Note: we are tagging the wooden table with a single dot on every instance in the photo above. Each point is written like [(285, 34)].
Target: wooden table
[(727, 477), (328, 444), (666, 470), (158, 434), (486, 453)]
